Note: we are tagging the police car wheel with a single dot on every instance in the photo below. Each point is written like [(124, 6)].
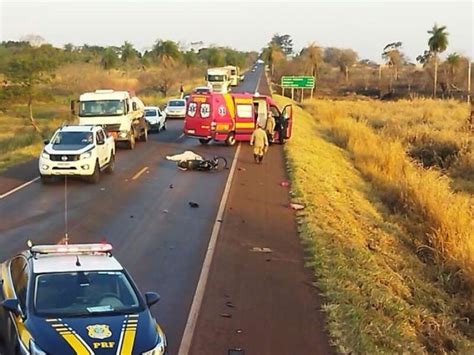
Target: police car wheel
[(111, 165)]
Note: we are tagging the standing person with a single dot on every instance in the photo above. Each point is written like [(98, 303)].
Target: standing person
[(181, 91), (260, 142), (270, 127)]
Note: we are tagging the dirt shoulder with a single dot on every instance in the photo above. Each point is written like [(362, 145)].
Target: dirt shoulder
[(259, 295)]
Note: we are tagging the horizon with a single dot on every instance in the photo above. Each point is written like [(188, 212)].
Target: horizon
[(44, 18)]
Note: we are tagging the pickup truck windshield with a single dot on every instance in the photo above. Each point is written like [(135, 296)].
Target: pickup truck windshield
[(215, 77), (83, 293), (150, 113), (73, 138), (101, 108)]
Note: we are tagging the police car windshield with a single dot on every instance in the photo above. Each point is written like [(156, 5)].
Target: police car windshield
[(176, 103), (84, 293), (101, 108), (150, 112), (73, 138), (215, 77)]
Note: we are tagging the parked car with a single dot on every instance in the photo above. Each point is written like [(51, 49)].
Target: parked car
[(155, 118)]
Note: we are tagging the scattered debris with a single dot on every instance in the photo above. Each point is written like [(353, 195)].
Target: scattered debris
[(226, 315), (220, 220), (171, 186), (239, 331), (268, 260), (102, 189), (284, 184), (296, 206), (261, 250), (229, 304), (193, 204), (241, 169), (236, 351), (165, 211), (131, 216)]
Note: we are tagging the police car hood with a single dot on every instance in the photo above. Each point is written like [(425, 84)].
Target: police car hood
[(116, 334)]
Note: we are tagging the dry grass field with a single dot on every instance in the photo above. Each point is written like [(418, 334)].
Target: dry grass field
[(391, 244)]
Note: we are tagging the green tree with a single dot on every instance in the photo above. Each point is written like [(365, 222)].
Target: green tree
[(110, 59), (272, 55), (129, 53), (284, 42), (29, 68), (312, 55), (190, 58), (167, 52), (214, 57), (437, 43), (394, 58), (453, 62)]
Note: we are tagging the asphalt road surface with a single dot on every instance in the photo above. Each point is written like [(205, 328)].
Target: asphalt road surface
[(155, 234)]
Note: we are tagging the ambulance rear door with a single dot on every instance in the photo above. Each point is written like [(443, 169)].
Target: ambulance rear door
[(245, 117)]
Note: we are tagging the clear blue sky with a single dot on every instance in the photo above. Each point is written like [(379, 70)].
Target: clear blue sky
[(365, 26)]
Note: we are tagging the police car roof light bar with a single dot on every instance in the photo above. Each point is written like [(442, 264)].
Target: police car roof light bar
[(73, 249)]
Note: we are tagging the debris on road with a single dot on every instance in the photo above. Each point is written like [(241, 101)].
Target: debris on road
[(297, 206), (236, 351), (102, 189), (284, 184), (193, 204), (171, 186), (241, 169), (229, 304), (239, 331), (226, 315), (131, 216), (187, 155), (261, 250), (165, 211)]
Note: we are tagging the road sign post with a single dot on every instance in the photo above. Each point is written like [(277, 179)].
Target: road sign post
[(298, 82)]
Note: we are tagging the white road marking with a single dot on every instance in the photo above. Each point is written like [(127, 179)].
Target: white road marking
[(137, 175), (181, 136), (8, 193), (185, 345)]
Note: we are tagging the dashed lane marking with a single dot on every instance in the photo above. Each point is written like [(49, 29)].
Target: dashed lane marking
[(137, 175)]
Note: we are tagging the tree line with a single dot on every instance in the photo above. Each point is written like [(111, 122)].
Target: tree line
[(341, 69)]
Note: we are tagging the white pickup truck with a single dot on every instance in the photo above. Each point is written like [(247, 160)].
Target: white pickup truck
[(78, 150)]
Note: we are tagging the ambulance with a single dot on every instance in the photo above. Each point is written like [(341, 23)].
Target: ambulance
[(231, 118)]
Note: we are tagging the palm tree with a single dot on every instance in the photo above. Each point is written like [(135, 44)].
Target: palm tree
[(313, 56), (453, 62), (128, 52), (273, 54), (166, 51), (437, 43)]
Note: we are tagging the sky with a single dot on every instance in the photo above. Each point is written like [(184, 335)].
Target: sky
[(365, 26)]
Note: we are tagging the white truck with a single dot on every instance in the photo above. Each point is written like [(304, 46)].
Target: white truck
[(121, 113), (218, 79), (77, 150)]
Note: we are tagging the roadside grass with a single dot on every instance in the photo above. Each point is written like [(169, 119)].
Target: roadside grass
[(434, 133), (381, 296)]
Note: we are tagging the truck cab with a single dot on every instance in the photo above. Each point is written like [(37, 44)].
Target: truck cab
[(121, 114), (233, 117), (218, 79), (234, 72)]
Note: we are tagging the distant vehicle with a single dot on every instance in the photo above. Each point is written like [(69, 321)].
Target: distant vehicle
[(259, 61), (75, 299), (176, 108), (218, 79), (232, 118), (77, 151), (121, 113), (253, 70), (234, 74), (156, 118), (202, 90)]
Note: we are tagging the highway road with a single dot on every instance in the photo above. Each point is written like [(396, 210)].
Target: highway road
[(155, 234)]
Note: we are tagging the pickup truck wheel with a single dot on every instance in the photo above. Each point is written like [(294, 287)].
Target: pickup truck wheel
[(204, 141), (46, 179), (131, 141), (95, 177), (110, 168), (230, 141), (144, 136)]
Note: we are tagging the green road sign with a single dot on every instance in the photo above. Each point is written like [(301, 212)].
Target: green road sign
[(305, 82)]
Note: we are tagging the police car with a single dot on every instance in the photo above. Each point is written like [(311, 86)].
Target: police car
[(74, 299)]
